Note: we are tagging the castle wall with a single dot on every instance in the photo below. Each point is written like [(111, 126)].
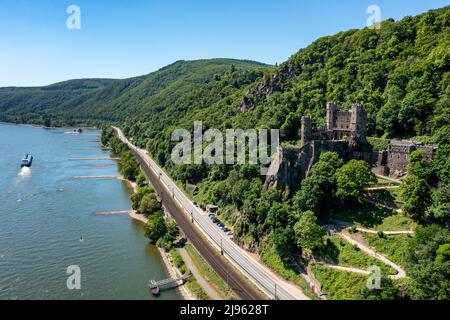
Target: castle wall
[(345, 134), (342, 120)]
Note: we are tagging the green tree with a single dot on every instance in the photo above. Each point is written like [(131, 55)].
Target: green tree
[(430, 281), (129, 167), (284, 242), (428, 269), (309, 235), (149, 204), (318, 189), (440, 208), (388, 291), (155, 228), (137, 197), (416, 194), (352, 180), (172, 230), (141, 179), (279, 216), (420, 166)]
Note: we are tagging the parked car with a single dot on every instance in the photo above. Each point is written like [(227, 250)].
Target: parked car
[(226, 229), (231, 233), (221, 225)]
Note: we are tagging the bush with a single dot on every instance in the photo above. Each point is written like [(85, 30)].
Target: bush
[(155, 228)]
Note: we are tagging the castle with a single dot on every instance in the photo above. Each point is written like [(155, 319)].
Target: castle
[(346, 134)]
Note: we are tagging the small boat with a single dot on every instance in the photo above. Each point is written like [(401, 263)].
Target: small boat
[(154, 288), (26, 161)]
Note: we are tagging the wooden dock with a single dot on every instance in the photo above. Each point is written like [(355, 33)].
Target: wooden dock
[(99, 177), (155, 286)]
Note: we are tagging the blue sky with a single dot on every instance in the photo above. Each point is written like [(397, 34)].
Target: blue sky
[(123, 38)]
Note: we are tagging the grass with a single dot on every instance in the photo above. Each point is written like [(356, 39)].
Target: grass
[(396, 222), (393, 247), (383, 181), (207, 272), (273, 260), (338, 285), (368, 216), (395, 194), (379, 144), (196, 289), (344, 254), (192, 285)]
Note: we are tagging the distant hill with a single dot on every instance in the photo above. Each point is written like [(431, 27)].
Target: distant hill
[(112, 100), (35, 104)]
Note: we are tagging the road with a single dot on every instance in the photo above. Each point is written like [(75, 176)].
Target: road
[(185, 212)]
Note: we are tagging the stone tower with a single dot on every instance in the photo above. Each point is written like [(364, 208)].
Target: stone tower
[(306, 130), (331, 112), (358, 120)]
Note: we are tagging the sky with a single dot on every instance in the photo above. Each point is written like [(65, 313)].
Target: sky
[(125, 38)]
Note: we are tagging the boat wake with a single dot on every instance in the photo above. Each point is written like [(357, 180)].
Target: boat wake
[(25, 172)]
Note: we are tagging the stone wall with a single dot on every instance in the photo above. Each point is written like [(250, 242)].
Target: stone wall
[(345, 134)]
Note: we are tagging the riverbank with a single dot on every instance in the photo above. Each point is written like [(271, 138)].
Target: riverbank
[(166, 258), (171, 269)]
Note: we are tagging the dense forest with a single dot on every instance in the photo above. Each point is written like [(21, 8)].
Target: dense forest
[(401, 74)]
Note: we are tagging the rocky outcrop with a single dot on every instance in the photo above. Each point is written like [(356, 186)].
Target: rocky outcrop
[(266, 87)]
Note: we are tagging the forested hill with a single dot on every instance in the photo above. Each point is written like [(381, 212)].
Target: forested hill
[(78, 101), (399, 72), (29, 104)]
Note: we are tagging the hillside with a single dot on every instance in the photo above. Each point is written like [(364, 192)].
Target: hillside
[(29, 104), (112, 100)]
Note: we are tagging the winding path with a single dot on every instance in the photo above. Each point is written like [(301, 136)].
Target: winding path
[(369, 251)]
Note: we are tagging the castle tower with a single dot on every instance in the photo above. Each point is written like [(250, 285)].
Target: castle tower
[(331, 112), (358, 123), (306, 130)]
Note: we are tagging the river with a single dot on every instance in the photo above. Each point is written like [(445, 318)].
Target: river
[(49, 221)]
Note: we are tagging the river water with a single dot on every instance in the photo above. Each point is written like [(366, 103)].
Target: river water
[(49, 221)]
